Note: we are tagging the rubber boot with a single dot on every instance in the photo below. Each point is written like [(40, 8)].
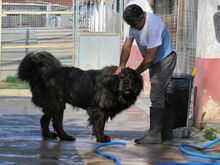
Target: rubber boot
[(154, 134), (167, 125), (169, 116)]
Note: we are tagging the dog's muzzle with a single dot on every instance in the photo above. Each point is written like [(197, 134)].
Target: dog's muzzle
[(126, 87)]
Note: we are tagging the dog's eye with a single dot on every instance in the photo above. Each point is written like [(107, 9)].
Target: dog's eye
[(121, 76), (131, 77)]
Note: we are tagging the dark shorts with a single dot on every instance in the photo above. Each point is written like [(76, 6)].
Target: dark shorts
[(160, 76)]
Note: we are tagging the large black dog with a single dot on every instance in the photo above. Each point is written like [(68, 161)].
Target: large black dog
[(100, 92)]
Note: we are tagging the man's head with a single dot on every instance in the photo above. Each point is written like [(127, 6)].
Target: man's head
[(133, 15)]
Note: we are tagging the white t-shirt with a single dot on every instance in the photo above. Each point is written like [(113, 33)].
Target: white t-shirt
[(153, 34)]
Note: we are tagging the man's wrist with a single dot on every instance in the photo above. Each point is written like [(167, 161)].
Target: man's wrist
[(122, 66)]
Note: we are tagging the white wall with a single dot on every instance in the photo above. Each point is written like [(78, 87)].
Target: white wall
[(97, 50), (207, 44), (143, 3)]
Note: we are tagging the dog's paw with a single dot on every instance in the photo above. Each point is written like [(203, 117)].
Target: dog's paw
[(104, 139), (67, 138)]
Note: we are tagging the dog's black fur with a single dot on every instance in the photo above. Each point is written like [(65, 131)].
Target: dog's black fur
[(100, 92)]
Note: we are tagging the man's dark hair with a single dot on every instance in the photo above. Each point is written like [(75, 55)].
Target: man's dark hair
[(133, 14)]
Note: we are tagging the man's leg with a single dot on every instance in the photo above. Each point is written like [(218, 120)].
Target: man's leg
[(160, 75)]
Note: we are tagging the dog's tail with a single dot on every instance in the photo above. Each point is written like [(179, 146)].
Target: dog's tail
[(38, 66)]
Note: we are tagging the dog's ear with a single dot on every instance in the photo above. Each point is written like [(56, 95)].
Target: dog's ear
[(139, 83), (114, 83)]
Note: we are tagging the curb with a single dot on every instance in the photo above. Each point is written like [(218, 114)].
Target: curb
[(15, 92)]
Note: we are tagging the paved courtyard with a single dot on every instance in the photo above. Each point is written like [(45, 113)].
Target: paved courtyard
[(21, 142)]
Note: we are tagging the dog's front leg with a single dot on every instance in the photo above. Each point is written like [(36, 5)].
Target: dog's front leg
[(58, 125), (45, 121), (99, 126)]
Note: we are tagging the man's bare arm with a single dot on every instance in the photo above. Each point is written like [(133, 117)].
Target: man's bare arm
[(149, 58), (125, 53)]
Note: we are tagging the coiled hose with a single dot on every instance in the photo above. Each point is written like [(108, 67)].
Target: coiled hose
[(182, 148), (116, 160)]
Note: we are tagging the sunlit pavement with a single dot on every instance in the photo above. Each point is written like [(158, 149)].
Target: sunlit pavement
[(21, 141)]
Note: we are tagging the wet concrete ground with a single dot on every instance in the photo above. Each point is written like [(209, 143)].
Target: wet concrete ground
[(21, 142)]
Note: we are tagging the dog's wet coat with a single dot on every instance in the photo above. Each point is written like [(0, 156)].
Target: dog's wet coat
[(100, 92)]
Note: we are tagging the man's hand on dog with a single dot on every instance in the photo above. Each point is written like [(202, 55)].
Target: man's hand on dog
[(118, 70)]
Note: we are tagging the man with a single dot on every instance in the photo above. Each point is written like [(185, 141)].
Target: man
[(155, 45)]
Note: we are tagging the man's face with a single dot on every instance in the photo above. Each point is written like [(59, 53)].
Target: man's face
[(139, 24)]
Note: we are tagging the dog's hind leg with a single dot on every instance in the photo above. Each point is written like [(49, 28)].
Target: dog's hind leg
[(58, 125), (45, 121)]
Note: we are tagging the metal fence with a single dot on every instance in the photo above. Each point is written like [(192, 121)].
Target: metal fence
[(28, 27), (55, 26), (52, 25), (180, 17)]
